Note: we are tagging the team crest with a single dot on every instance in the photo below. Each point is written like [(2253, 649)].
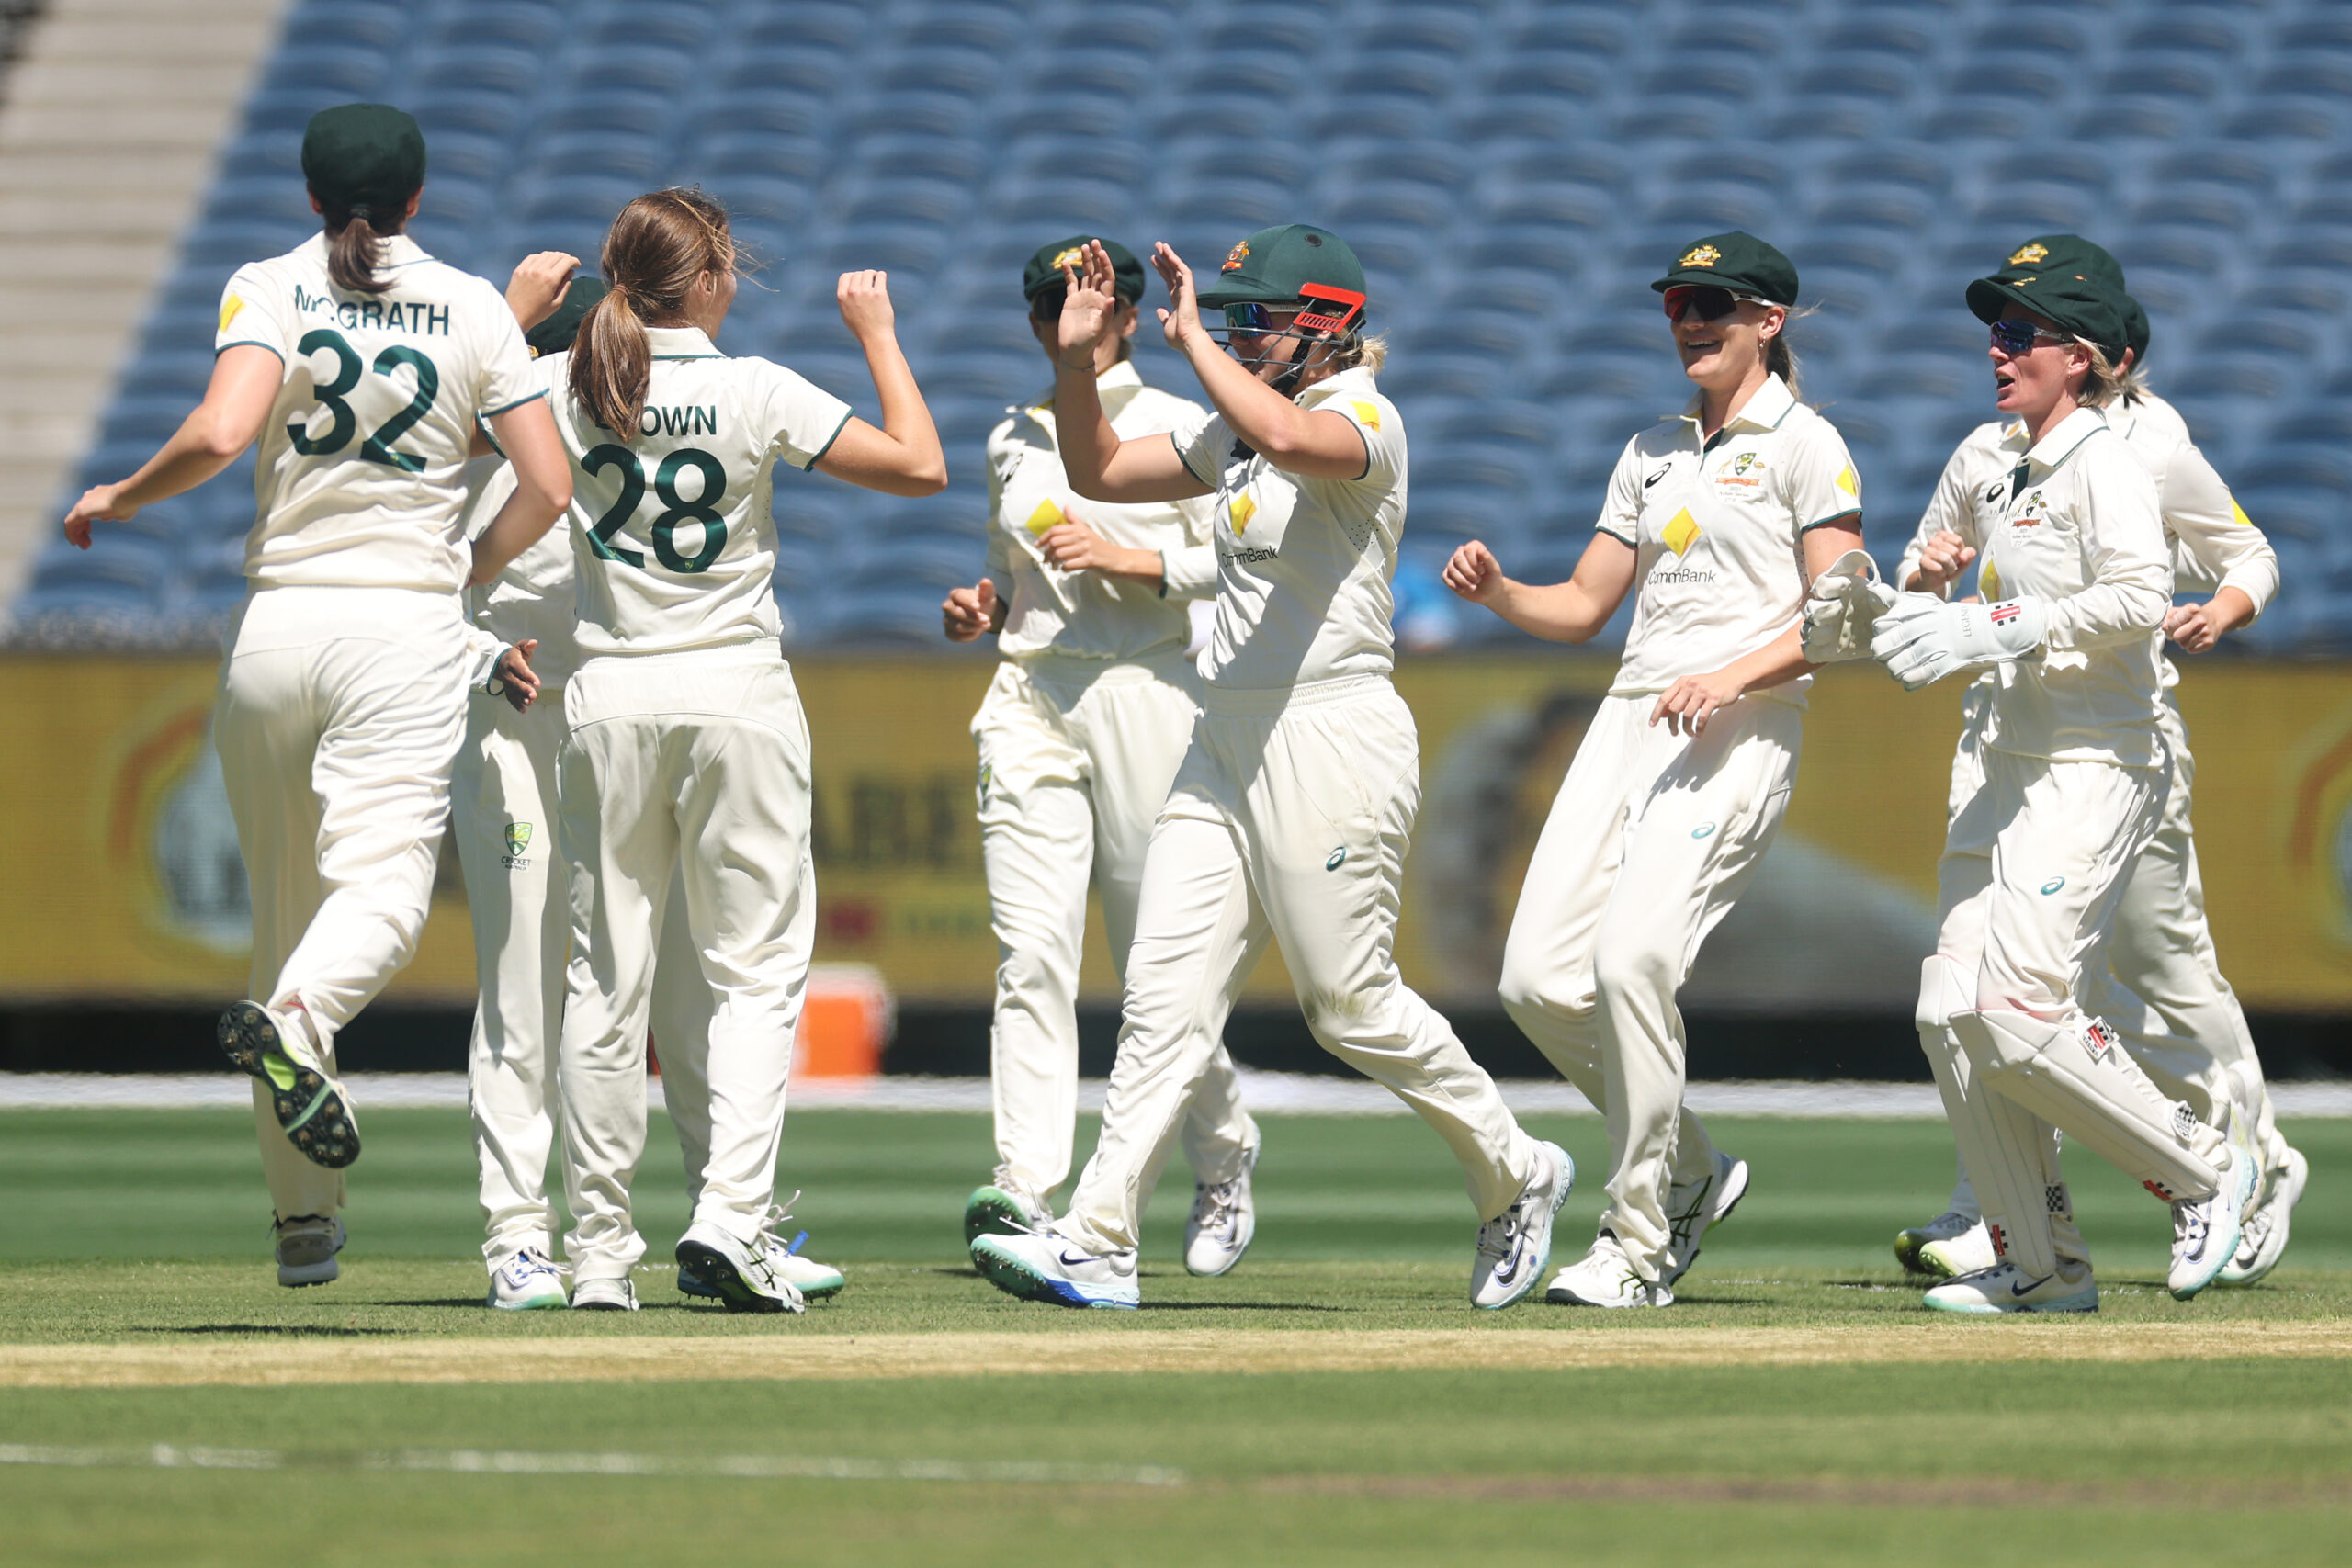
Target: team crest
[(1074, 256), (2029, 256), (1700, 255), (1746, 461), (518, 837), (1236, 256)]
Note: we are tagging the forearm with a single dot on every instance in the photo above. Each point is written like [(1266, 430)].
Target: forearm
[(520, 523), (2229, 609), (197, 451), (1270, 422), (906, 418), (1778, 661), (1082, 430), (1132, 566), (1559, 611), (2113, 611)]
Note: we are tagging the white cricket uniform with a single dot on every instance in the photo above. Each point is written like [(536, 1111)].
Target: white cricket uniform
[(1290, 818), (1080, 737), (2169, 1002), (342, 700), (688, 759), (2075, 770), (1653, 835)]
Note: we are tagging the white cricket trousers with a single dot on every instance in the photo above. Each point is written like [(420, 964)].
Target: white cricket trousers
[(1289, 819), (340, 711), (1077, 756), (691, 766), (1651, 841)]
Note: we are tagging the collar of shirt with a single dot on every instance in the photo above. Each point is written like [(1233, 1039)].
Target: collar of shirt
[(398, 250), (682, 343), (1115, 387), (1765, 410), (1355, 378), (2058, 446)]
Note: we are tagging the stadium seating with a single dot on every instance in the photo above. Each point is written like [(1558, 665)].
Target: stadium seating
[(1513, 173)]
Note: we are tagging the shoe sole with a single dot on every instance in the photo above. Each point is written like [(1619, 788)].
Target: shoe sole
[(2086, 1302), (297, 1276), (1231, 1263), (1543, 1264), (1014, 1277), (1907, 1251), (309, 1105), (1737, 1183), (2274, 1246), (712, 1267), (600, 1306), (690, 1284), (528, 1303), (1559, 1297), (991, 1210), (2243, 1169)]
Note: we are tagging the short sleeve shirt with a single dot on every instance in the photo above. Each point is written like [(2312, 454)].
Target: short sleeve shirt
[(672, 536), (1718, 527), (360, 477), (1304, 564)]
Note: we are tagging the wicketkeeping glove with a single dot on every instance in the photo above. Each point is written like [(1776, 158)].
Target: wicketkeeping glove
[(1921, 640), (1844, 604)]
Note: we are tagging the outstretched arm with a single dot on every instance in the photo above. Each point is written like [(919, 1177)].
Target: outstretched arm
[(245, 378), (1100, 466), (903, 458)]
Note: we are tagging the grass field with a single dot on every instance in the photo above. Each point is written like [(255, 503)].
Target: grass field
[(1335, 1400)]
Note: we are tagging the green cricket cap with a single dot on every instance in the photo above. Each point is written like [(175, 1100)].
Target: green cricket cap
[(1740, 261), (1278, 265), (2073, 253), (554, 334), (368, 155), (2081, 303), (1045, 268)]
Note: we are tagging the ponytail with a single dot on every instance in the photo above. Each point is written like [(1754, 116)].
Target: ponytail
[(612, 362), (356, 245), (1781, 360), (657, 247)]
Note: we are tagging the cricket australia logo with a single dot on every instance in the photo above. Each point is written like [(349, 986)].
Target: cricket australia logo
[(518, 839)]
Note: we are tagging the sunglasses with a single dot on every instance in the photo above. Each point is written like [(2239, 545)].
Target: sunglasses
[(1713, 304), (2019, 337), (1251, 319)]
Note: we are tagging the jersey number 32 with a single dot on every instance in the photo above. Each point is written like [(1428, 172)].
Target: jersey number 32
[(343, 424)]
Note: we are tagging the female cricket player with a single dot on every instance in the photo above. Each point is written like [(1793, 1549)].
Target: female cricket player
[(1717, 522), (2075, 773), (688, 755), (362, 365), (2173, 1010), (1080, 737), (1290, 814)]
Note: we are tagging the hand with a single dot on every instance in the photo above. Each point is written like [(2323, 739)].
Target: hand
[(969, 611), (865, 306), (1474, 574), (1073, 547), (1090, 309), (538, 286), (1179, 322), (1691, 701), (1921, 640), (2197, 628), (99, 504), (514, 678), (1941, 561)]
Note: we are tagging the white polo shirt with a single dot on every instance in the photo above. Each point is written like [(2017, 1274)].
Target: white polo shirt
[(672, 537), (2072, 520), (359, 482), (1719, 526), (1304, 564), (1085, 614)]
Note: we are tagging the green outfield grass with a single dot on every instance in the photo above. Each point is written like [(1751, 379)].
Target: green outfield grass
[(148, 1229)]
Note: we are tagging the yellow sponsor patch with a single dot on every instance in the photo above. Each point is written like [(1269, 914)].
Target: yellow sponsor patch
[(228, 308), (1045, 517), (2239, 512), (1988, 582), (1368, 415), (1243, 510), (1850, 482), (1679, 534)]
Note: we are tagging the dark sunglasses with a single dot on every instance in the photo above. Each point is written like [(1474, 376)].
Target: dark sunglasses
[(1713, 304), (2017, 337), (1251, 320)]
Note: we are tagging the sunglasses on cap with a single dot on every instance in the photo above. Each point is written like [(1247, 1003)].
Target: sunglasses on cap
[(1710, 303), (2019, 337)]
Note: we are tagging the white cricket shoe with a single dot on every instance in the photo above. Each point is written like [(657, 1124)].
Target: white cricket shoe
[(603, 1295), (2006, 1288), (1949, 1226), (1691, 1207), (1605, 1277), (816, 1281), (306, 1246), (2206, 1231), (745, 1277), (310, 1105), (1003, 1207), (2262, 1239), (1039, 1266), (1515, 1246), (1223, 1222), (1967, 1253), (529, 1282)]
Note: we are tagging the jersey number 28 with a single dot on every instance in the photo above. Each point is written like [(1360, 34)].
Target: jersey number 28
[(343, 422), (702, 509)]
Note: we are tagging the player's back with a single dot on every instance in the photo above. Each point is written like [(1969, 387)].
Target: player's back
[(360, 480)]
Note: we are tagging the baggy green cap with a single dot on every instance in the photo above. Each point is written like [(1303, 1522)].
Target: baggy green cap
[(2072, 253), (2082, 303), (1279, 266), (368, 155), (1045, 268), (554, 334), (1737, 261)]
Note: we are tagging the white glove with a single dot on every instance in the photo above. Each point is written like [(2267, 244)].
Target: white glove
[(1921, 640), (1844, 604)]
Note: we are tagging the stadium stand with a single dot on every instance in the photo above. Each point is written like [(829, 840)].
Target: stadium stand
[(1512, 173)]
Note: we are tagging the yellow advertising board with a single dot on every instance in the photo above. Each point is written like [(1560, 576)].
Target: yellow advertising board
[(124, 882)]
